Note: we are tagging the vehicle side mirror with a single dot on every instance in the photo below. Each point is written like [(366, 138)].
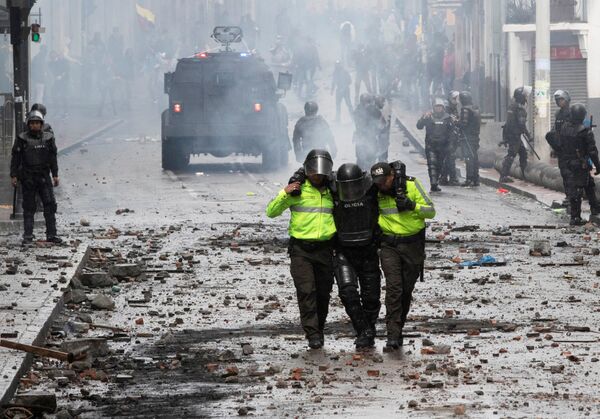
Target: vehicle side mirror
[(168, 82), (284, 81)]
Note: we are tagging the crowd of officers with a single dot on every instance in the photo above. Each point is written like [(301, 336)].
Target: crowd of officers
[(372, 119), (343, 225)]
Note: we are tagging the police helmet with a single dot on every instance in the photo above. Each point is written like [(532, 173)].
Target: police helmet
[(578, 113), (562, 94), (39, 107), (318, 162), (465, 98), (438, 101), (35, 116), (351, 182), (311, 108), (521, 93)]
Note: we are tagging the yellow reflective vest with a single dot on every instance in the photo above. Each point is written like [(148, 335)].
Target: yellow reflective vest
[(405, 223), (312, 212)]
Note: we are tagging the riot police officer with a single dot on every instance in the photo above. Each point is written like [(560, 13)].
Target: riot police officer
[(383, 138), (356, 263), (312, 230), (563, 114), (403, 208), (575, 147), (312, 132), (438, 129), (34, 158), (515, 126), (449, 175), (470, 126)]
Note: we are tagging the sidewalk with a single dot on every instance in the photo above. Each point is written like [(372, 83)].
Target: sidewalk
[(31, 294), (407, 121)]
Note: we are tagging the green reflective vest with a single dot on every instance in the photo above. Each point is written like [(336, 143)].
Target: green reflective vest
[(405, 223), (312, 213)]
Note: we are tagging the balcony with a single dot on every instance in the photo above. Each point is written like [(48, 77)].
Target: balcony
[(521, 12)]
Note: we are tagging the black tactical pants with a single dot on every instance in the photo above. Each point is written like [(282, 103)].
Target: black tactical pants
[(515, 147), (342, 95), (471, 153), (449, 165), (577, 181), (38, 185), (356, 267), (402, 264), (312, 272), (435, 161)]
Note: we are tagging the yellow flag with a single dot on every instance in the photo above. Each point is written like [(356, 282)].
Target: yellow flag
[(145, 13)]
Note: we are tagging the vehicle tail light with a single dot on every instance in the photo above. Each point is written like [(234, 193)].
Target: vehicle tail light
[(177, 108), (257, 107), (202, 55)]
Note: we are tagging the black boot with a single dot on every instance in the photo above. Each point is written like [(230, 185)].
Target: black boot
[(394, 343), (27, 228), (315, 342), (366, 339), (435, 188), (506, 179)]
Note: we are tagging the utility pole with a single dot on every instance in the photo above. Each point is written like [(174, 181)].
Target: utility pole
[(19, 38), (542, 77)]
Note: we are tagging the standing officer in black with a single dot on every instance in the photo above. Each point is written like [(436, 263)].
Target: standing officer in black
[(470, 125), (356, 262), (515, 126), (449, 176), (562, 115), (575, 147), (312, 132), (34, 158), (438, 129)]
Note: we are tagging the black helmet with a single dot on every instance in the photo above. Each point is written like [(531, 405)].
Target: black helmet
[(35, 116), (311, 108), (365, 99), (318, 162), (578, 113), (465, 98), (521, 94), (39, 107), (351, 182), (562, 94)]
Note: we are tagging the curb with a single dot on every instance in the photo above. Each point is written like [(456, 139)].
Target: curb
[(90, 136), (414, 140), (40, 337)]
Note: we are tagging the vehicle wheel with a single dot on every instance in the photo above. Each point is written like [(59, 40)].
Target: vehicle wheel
[(173, 156)]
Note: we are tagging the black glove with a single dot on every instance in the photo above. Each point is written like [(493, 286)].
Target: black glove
[(403, 203), (550, 136)]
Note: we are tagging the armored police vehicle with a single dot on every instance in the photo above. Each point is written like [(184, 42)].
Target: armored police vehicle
[(222, 103)]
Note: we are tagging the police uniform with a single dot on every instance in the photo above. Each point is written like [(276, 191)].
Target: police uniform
[(402, 245), (34, 158), (438, 129), (575, 147), (356, 262), (311, 230), (470, 124), (312, 132)]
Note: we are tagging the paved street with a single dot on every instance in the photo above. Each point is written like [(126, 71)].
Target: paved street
[(210, 324)]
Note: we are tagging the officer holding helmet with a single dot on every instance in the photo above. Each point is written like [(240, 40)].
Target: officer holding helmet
[(312, 230), (34, 158)]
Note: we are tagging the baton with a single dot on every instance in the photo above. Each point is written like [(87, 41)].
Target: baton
[(14, 209), (524, 137), (461, 135)]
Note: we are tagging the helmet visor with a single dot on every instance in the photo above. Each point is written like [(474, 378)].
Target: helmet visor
[(320, 165), (351, 190)]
